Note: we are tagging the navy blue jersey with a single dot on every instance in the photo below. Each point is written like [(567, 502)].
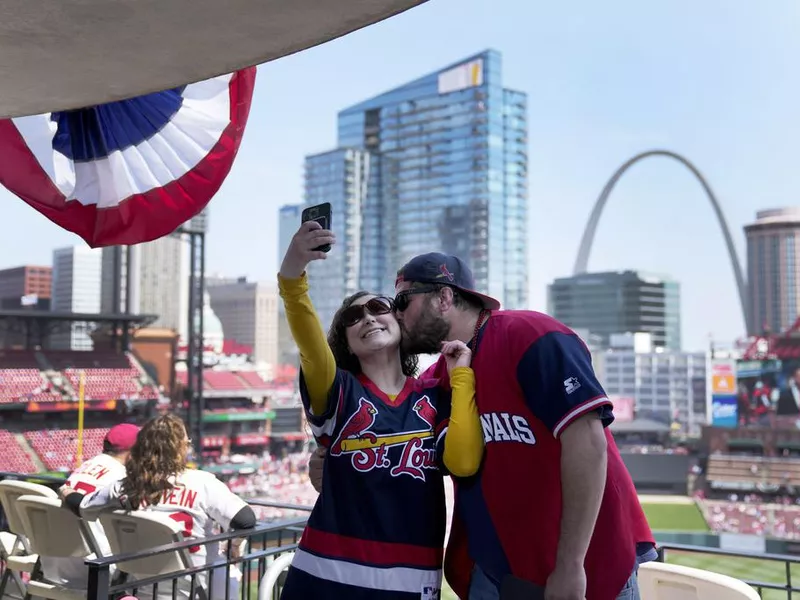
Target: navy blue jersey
[(377, 529)]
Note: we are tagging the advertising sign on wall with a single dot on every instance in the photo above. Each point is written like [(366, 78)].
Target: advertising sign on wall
[(623, 408), (722, 402)]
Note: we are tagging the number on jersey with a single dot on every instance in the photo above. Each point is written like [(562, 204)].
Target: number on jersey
[(188, 525)]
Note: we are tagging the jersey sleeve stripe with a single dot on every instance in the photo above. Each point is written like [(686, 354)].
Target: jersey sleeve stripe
[(326, 427), (369, 551), (579, 411), (443, 432), (398, 579)]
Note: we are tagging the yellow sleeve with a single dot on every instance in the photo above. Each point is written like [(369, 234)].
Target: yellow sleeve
[(316, 358), (463, 447)]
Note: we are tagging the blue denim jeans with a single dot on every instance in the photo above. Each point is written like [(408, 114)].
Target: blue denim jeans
[(483, 587)]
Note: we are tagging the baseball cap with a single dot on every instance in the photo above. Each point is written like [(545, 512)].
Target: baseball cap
[(438, 268), (120, 438)]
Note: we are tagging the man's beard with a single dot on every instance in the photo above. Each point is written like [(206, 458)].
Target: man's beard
[(427, 335)]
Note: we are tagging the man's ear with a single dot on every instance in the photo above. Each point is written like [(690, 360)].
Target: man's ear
[(446, 299)]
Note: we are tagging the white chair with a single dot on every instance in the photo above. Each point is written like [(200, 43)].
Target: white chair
[(16, 553), (271, 575), (662, 581), (54, 532), (140, 531)]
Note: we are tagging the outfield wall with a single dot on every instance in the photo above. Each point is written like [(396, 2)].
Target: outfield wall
[(658, 473), (734, 542)]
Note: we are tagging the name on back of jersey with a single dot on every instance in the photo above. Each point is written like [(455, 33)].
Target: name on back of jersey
[(403, 453), (91, 470), (505, 427)]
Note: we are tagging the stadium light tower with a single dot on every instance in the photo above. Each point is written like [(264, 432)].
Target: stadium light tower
[(195, 229)]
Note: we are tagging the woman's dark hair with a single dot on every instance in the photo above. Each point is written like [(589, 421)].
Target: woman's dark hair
[(158, 454), (345, 359)]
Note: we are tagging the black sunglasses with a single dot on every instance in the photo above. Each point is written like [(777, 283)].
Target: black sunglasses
[(403, 299), (353, 314)]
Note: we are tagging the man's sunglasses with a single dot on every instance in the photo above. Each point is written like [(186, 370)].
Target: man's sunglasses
[(353, 314), (403, 299)]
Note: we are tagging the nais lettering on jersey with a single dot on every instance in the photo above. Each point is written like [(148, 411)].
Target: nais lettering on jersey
[(404, 453), (505, 427)]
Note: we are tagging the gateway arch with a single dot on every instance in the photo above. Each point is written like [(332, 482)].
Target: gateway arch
[(591, 227)]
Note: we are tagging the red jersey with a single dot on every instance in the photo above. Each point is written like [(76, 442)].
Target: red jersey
[(534, 378)]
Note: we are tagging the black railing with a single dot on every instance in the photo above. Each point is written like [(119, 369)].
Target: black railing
[(265, 542), (261, 546), (787, 587)]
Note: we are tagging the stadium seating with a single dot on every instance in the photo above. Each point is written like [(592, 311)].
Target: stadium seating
[(252, 379), (57, 447), (757, 519), (21, 379), (13, 458), (756, 470), (223, 380), (229, 380), (108, 376)]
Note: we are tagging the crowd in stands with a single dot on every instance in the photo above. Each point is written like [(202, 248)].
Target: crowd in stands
[(774, 520), (283, 480)]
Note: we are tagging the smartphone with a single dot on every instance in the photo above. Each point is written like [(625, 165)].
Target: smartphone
[(514, 588), (321, 213)]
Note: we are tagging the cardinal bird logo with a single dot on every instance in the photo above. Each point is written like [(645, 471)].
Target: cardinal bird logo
[(357, 425), (425, 411), (445, 272)]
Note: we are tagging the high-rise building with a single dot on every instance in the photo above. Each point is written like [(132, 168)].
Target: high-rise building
[(157, 281), (26, 287), (248, 312), (773, 269), (437, 164), (666, 385), (75, 288), (339, 177), (619, 302), (288, 223)]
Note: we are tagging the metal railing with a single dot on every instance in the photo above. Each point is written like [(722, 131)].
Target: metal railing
[(261, 546), (760, 586)]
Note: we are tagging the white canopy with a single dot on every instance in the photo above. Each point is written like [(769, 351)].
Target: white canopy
[(57, 55)]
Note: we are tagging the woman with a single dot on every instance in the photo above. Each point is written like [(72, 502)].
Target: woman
[(377, 529), (158, 480)]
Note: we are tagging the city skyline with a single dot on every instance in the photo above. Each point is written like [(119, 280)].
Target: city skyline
[(604, 84), (437, 163)]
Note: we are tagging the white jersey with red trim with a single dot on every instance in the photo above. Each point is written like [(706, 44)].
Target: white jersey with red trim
[(97, 472), (198, 500)]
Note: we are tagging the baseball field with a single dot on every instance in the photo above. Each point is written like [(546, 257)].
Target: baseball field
[(671, 514)]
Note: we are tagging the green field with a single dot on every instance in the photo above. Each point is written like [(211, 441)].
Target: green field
[(674, 517), (687, 517)]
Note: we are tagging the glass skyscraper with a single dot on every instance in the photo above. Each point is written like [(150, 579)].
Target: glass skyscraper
[(619, 302), (438, 164)]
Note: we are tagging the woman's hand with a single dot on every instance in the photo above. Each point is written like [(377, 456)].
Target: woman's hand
[(301, 249), (456, 354)]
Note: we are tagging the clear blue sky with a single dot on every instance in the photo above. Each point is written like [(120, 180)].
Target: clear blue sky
[(715, 80)]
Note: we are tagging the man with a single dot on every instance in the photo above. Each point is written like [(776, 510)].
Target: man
[(789, 399), (95, 473), (553, 503)]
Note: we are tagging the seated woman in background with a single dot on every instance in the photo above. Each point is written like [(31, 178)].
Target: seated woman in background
[(377, 529), (158, 479)]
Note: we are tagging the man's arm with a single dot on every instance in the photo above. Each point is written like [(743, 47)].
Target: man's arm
[(557, 379), (583, 480)]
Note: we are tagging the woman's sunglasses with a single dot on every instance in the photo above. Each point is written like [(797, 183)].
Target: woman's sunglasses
[(353, 314), (403, 299)]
